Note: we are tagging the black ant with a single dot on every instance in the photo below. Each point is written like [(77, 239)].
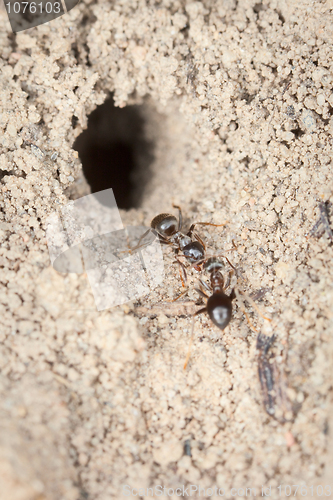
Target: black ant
[(219, 304), (168, 229)]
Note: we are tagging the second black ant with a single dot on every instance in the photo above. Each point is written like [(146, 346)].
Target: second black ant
[(219, 305)]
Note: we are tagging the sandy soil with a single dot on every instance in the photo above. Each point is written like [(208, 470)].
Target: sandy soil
[(237, 100)]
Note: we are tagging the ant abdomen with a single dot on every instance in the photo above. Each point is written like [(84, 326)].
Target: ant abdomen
[(219, 309), (165, 224), (194, 252)]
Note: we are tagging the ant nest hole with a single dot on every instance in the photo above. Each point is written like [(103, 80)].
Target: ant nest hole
[(146, 154), (117, 151)]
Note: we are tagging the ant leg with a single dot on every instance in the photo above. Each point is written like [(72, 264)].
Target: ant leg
[(182, 271), (161, 238), (137, 247), (192, 337), (197, 237), (183, 276), (150, 230), (203, 284), (237, 271), (142, 237), (179, 296), (129, 249), (218, 255), (254, 305), (203, 224), (230, 275), (128, 242), (202, 293), (231, 265), (198, 290), (167, 242), (180, 218), (241, 305)]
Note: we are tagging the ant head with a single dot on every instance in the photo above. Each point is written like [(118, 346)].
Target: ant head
[(212, 264), (166, 225)]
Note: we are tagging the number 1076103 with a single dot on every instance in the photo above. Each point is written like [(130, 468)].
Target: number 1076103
[(33, 7), (304, 491)]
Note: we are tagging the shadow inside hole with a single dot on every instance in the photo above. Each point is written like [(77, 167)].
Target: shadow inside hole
[(115, 153)]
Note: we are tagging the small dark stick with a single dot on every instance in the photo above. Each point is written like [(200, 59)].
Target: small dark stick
[(187, 448), (273, 382), (192, 72), (265, 371), (286, 88), (323, 224)]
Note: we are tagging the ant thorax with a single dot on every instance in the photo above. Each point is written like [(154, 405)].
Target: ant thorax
[(217, 282), (180, 239)]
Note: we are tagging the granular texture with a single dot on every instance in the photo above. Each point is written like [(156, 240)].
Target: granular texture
[(237, 100)]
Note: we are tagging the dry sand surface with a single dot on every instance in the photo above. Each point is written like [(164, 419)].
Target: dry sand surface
[(237, 101)]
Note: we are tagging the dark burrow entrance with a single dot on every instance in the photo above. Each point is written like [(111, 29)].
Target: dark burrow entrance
[(115, 153)]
